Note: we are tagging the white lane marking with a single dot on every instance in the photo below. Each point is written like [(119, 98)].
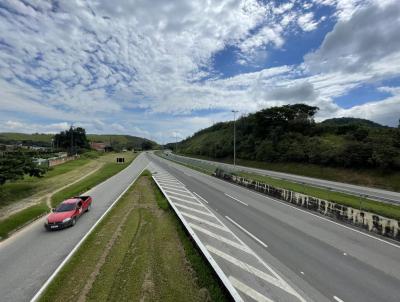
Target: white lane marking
[(66, 259), (170, 182), (218, 226), (252, 270), (252, 293), (169, 185), (179, 194), (302, 273), (337, 299), (345, 254), (175, 188), (234, 198), (315, 215), (200, 197), (187, 201), (191, 209), (205, 252), (220, 238), (246, 231), (250, 251)]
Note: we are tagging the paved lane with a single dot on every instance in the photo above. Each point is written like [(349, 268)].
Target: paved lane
[(372, 193), (28, 258), (324, 259)]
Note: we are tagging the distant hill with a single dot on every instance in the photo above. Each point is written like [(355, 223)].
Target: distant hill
[(40, 139), (351, 121), (289, 134)]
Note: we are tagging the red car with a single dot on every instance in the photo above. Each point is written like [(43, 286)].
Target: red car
[(68, 212)]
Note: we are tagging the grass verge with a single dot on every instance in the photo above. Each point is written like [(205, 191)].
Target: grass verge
[(365, 177), (135, 254), (105, 172), (380, 208), (14, 191), (21, 218)]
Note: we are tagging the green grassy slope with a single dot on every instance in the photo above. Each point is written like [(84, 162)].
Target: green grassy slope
[(125, 140)]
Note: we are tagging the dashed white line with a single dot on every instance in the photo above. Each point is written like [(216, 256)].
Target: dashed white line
[(337, 299), (252, 293), (221, 238), (302, 273), (344, 254), (246, 231), (234, 198), (200, 197)]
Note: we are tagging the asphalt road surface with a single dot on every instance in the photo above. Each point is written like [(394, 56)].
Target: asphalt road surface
[(372, 193), (28, 258), (324, 260)]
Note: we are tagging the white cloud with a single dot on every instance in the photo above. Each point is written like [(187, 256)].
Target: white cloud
[(96, 62)]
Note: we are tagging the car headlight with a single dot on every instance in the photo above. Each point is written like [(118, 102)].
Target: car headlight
[(66, 220)]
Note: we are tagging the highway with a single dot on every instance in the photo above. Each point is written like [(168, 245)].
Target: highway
[(372, 193), (29, 257), (321, 259), (318, 259)]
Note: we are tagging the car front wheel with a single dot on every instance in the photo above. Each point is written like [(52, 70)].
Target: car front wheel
[(73, 221), (89, 208)]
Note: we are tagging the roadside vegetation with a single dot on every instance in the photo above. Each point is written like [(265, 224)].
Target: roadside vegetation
[(97, 168), (108, 169), (380, 208), (18, 220), (139, 252), (55, 176), (288, 139)]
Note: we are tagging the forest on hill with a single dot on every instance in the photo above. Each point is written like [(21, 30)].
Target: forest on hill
[(289, 134)]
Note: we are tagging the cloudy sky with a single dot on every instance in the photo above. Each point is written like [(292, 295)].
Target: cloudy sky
[(162, 68)]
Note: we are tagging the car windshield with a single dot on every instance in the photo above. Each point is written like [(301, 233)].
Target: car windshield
[(65, 207)]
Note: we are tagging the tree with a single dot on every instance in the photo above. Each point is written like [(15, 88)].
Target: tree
[(147, 145), (14, 165), (72, 140)]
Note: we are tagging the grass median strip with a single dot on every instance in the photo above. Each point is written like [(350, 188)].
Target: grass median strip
[(139, 252)]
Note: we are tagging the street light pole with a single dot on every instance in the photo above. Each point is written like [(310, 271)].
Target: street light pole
[(234, 138)]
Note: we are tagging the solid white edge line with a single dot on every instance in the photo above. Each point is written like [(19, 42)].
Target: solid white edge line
[(213, 263), (246, 231), (234, 198), (255, 255), (337, 299), (197, 195), (304, 211), (69, 256)]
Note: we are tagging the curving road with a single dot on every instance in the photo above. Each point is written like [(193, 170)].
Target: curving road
[(28, 258)]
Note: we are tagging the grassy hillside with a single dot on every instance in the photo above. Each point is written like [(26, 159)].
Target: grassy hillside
[(289, 136), (45, 139)]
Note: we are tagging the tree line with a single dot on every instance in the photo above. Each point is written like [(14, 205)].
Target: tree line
[(289, 134)]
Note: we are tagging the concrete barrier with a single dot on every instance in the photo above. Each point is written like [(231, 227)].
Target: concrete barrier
[(372, 222)]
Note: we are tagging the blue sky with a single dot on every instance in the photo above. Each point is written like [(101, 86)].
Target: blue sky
[(164, 68)]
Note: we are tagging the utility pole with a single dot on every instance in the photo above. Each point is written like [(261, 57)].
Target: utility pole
[(234, 138), (176, 144), (72, 138)]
